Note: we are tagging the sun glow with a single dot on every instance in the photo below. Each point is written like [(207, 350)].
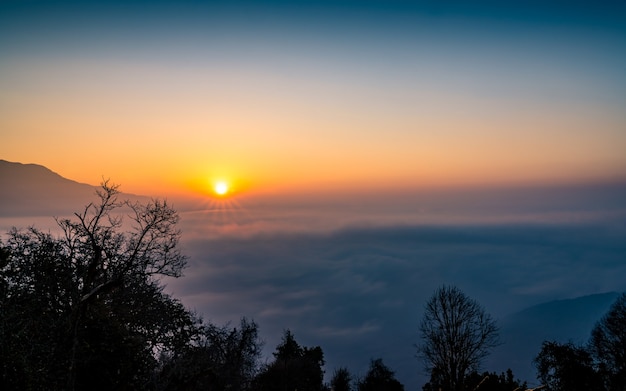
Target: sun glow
[(220, 188)]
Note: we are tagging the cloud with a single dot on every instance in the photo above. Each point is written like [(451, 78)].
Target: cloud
[(359, 292), (365, 328)]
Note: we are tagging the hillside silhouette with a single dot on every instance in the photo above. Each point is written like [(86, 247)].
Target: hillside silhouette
[(34, 190)]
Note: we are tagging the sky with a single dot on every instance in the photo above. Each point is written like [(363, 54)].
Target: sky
[(373, 150), (315, 96)]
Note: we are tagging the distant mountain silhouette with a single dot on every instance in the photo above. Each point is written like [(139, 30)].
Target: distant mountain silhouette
[(34, 190), (522, 333)]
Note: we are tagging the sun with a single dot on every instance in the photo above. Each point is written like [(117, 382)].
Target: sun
[(220, 188)]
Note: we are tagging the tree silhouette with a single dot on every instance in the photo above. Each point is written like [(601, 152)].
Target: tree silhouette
[(86, 310), (601, 365), (379, 378), (294, 368), (493, 382), (456, 335), (562, 367), (608, 345), (221, 359), (341, 380)]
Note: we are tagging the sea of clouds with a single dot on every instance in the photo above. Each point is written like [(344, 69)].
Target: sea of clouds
[(353, 275)]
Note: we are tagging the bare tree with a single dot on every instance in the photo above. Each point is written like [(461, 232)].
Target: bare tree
[(105, 258), (456, 335)]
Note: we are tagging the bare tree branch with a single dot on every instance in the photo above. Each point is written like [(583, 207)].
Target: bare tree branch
[(456, 335)]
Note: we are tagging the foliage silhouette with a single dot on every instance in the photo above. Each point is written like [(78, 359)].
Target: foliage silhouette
[(220, 359), (493, 382), (563, 367), (601, 365), (379, 378), (608, 345), (86, 310), (341, 380), (294, 368)]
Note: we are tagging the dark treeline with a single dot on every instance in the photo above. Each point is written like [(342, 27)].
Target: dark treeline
[(86, 311), (598, 365)]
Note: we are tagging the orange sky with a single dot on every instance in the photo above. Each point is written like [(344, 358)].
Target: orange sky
[(303, 114)]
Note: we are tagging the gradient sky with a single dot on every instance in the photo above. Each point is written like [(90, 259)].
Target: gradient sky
[(309, 105), (165, 97)]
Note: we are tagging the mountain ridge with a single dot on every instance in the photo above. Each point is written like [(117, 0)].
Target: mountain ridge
[(28, 190), (43, 172)]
